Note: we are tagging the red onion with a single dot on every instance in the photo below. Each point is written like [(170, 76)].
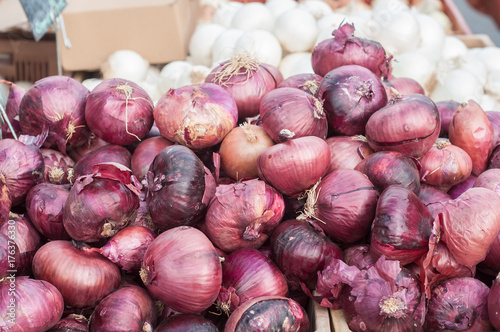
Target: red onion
[(350, 95), (494, 118), (460, 188), (44, 205), (71, 323), (144, 154), (20, 230), (385, 168), (186, 323), (92, 143), (458, 304), (269, 313), (359, 256), (108, 153), (347, 151), (343, 205), (58, 167), (21, 167), (294, 166), (307, 82), (127, 247), (83, 277), (471, 130), (470, 223), (402, 86), (57, 103), (119, 111), (408, 124), (489, 179), (447, 109), (144, 217), (243, 215), (345, 49), (177, 174), (301, 250), (246, 80), (16, 94), (180, 259), (402, 226), (494, 160), (29, 305), (101, 203), (9, 254), (494, 303), (240, 150), (247, 274), (445, 165), (491, 263), (433, 198), (128, 308), (197, 116), (288, 113)]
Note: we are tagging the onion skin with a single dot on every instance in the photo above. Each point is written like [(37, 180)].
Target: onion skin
[(402, 226), (494, 160), (176, 172), (458, 304), (44, 205), (197, 116), (247, 274), (83, 277), (409, 124), (58, 167), (294, 166), (489, 179), (145, 153), (494, 118), (350, 95), (471, 130), (307, 82), (108, 153), (35, 305), (359, 256), (385, 168), (345, 205), (71, 323), (92, 143), (57, 103), (445, 165), (268, 313), (243, 215), (402, 86), (347, 152), (470, 224), (186, 323), (9, 255), (119, 111), (129, 308), (180, 259), (494, 304), (447, 109), (240, 150), (460, 188), (433, 198), (292, 110), (301, 250)]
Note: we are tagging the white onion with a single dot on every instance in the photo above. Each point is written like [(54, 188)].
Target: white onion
[(224, 14), (296, 30), (459, 85), (416, 66), (202, 41), (490, 56), (195, 75), (453, 48), (251, 16), (277, 7), (262, 45), (490, 102), (331, 21), (151, 83), (432, 37), (126, 64), (171, 73), (91, 83), (493, 83), (225, 45), (473, 65), (296, 63), (317, 8), (326, 25)]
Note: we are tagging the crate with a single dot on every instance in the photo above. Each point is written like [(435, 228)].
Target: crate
[(323, 319)]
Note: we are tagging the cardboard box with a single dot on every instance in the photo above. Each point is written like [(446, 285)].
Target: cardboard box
[(159, 30)]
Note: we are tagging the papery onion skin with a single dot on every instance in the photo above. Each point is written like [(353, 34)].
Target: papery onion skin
[(93, 142), (58, 167), (294, 166), (145, 153), (402, 226), (57, 103), (433, 198), (494, 303), (177, 173), (44, 205), (409, 124), (197, 116), (345, 205), (359, 256), (345, 49), (350, 95), (292, 110), (269, 313), (346, 152), (186, 323), (447, 109), (307, 82), (9, 254), (460, 188), (71, 323), (489, 179), (471, 130), (300, 250), (385, 168), (119, 111), (470, 223), (243, 215), (108, 153), (178, 259), (402, 86), (459, 304), (29, 305), (129, 308), (83, 277)]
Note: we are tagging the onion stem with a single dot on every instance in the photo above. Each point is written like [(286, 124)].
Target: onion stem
[(233, 67), (392, 307), (309, 207)]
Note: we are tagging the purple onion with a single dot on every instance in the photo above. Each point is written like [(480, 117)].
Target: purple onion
[(145, 153), (402, 86), (307, 82), (186, 323), (359, 256), (447, 109), (494, 160), (9, 255), (491, 263), (433, 198), (489, 179), (58, 167), (107, 153), (494, 303), (71, 323), (144, 217), (460, 188), (494, 118)]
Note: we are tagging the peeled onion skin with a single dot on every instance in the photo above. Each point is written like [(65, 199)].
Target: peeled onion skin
[(347, 151), (409, 124)]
